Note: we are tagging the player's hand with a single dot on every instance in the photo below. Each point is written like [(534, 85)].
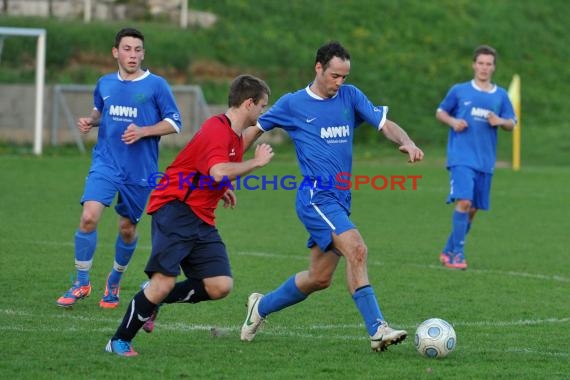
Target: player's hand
[(494, 120), (229, 198), (459, 125), (414, 153), (132, 134), (263, 154), (84, 124)]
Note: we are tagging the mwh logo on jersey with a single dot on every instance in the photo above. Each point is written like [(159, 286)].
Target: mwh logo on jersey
[(335, 132), (479, 113), (123, 111)]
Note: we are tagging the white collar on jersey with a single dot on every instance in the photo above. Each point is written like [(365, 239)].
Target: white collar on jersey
[(145, 74), (315, 96), (492, 90)]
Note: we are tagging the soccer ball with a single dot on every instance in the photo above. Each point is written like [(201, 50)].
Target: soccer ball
[(435, 338)]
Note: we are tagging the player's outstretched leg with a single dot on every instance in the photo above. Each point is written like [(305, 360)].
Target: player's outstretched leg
[(386, 336), (252, 320)]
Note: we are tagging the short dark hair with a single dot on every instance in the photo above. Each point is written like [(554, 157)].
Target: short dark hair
[(244, 87), (128, 32), (486, 50), (330, 50)]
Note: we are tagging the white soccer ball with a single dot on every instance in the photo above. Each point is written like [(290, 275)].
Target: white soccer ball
[(435, 338)]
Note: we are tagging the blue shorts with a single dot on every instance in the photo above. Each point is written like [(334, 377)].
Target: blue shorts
[(469, 184), (131, 200), (181, 240), (323, 212)]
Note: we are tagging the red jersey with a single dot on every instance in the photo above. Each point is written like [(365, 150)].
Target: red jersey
[(188, 176)]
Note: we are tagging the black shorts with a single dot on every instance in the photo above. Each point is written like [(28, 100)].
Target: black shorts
[(181, 240)]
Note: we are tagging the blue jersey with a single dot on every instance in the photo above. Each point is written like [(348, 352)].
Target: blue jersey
[(476, 146), (144, 101), (323, 129)]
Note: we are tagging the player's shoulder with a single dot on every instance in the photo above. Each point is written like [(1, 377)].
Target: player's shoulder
[(109, 77), (154, 77), (467, 85), (501, 90)]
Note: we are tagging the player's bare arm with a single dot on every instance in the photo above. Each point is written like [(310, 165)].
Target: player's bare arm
[(229, 198), (232, 170), (496, 121), (133, 133), (84, 124), (458, 125), (250, 135), (395, 133)]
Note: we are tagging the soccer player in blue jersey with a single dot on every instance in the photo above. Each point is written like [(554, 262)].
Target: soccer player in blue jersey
[(321, 120), (132, 109), (473, 110)]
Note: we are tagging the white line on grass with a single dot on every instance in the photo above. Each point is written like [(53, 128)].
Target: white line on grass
[(536, 276), (179, 326), (309, 332)]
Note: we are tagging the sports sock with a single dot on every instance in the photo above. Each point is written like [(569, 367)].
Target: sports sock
[(459, 230), (367, 304), (190, 290), (449, 244), (123, 253), (85, 244), (285, 295), (139, 311)]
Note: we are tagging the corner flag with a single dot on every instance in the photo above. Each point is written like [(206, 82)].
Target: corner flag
[(515, 96)]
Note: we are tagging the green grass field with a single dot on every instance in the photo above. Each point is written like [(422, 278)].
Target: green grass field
[(509, 309)]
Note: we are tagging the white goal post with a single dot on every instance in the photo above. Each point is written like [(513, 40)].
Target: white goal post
[(40, 76)]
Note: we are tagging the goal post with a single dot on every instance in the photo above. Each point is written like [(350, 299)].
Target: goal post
[(40, 34)]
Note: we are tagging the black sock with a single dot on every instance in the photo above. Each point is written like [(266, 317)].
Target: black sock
[(190, 290), (139, 311)]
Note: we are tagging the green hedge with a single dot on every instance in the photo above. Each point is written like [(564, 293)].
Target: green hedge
[(405, 54)]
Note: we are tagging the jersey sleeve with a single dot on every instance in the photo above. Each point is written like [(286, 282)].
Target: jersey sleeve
[(277, 116), (97, 98), (167, 105), (366, 111), (507, 110), (449, 103)]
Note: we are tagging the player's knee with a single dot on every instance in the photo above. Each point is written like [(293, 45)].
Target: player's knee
[(219, 288), (463, 205), (159, 288), (127, 230), (88, 221), (358, 254)]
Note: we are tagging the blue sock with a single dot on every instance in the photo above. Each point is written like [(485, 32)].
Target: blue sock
[(367, 304), (123, 254), (459, 230), (286, 295), (85, 244), (449, 245)]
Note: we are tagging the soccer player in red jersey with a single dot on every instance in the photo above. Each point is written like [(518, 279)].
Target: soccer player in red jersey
[(184, 234)]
